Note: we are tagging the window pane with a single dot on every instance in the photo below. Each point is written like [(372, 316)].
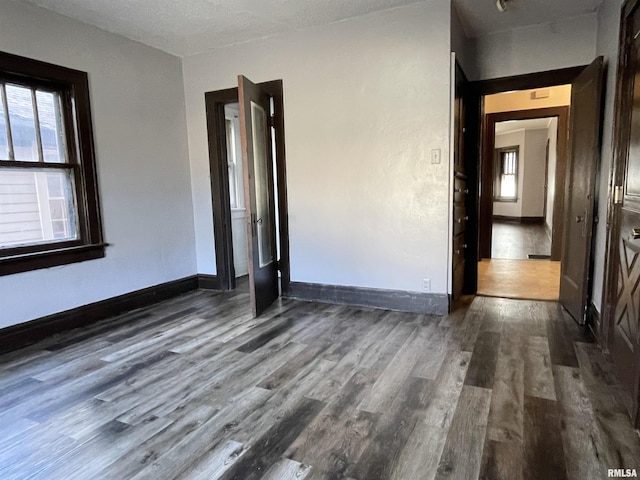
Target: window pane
[(51, 131), (36, 206), (4, 144), (231, 162), (508, 186), (23, 132)]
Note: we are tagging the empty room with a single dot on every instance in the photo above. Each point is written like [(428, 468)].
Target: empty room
[(248, 240)]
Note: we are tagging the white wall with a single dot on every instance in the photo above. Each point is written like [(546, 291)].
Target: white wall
[(512, 139), (366, 100), (552, 136), (139, 131), (538, 48), (462, 46), (534, 173), (608, 31)]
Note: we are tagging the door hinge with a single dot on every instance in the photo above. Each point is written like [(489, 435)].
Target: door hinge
[(617, 194), (272, 121)]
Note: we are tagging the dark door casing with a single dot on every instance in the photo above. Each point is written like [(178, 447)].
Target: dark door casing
[(215, 102)]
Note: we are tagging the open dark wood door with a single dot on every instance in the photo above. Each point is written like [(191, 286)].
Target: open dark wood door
[(460, 192), (624, 292), (579, 200), (259, 194)]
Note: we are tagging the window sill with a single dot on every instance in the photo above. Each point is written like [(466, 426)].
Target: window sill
[(50, 258), (506, 200)]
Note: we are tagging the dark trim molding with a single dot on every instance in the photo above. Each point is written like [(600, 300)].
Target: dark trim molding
[(209, 282), (528, 81), (72, 86), (522, 220), (23, 334), (433, 303), (222, 234)]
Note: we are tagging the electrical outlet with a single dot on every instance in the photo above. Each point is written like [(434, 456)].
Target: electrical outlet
[(435, 155), (426, 285)]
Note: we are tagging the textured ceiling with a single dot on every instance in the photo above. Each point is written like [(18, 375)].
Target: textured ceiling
[(192, 26), (513, 125), (187, 27), (481, 17)]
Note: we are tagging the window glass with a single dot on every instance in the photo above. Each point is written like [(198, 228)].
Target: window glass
[(51, 131), (22, 121), (231, 163), (506, 175), (36, 206), (4, 143)]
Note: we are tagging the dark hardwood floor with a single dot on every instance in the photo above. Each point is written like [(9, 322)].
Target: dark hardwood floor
[(516, 241), (195, 388)]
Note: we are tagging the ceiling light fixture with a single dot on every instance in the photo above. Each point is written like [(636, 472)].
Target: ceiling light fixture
[(501, 5)]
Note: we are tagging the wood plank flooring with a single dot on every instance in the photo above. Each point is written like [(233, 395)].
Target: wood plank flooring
[(194, 388), (516, 241)]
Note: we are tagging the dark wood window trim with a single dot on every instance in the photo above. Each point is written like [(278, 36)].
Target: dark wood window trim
[(498, 170), (73, 87)]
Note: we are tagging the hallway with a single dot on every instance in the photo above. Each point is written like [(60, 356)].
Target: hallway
[(518, 268)]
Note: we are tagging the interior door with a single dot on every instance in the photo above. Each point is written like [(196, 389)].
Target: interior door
[(623, 345), (255, 132), (579, 200), (460, 192)]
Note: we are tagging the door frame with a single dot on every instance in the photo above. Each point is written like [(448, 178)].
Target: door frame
[(487, 174), (222, 231), (473, 141)]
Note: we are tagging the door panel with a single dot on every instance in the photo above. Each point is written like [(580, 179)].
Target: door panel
[(582, 165), (259, 194), (460, 191), (627, 310), (624, 326)]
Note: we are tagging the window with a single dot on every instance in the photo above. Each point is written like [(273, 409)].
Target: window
[(49, 213), (234, 155), (506, 183)]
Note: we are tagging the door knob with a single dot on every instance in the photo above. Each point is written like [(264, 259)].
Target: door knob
[(259, 221), (635, 233)]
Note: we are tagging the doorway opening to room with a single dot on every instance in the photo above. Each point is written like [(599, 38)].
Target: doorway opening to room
[(245, 128), (578, 207), (525, 144)]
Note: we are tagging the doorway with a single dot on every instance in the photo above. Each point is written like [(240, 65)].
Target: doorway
[(521, 222), (233, 216), (236, 196), (578, 205)]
